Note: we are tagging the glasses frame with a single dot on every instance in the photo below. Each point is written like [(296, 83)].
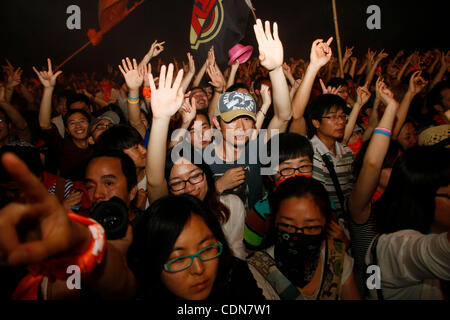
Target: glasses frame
[(193, 256), (335, 118), (186, 181), (297, 229), (295, 170)]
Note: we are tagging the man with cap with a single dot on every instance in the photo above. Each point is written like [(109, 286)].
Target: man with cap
[(234, 155), (100, 124)]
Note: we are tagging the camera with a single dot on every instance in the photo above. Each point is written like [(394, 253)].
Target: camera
[(113, 216)]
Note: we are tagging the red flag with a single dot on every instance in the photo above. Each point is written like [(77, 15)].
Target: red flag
[(110, 13)]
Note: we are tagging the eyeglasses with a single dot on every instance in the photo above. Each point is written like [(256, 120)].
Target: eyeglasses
[(336, 117), (307, 168), (184, 262), (443, 195), (180, 185), (309, 230)]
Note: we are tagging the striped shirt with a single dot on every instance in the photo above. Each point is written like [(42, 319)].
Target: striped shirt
[(343, 165)]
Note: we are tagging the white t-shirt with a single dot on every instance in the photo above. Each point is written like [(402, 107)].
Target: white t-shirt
[(234, 227), (143, 185), (411, 264)]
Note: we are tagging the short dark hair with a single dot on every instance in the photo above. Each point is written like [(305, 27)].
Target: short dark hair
[(119, 137), (127, 165), (409, 199), (77, 97), (321, 105), (237, 86), (155, 237), (73, 111)]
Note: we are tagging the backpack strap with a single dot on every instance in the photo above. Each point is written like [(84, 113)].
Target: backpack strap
[(334, 266), (330, 166)]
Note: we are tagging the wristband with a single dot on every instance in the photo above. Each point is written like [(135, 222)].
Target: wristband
[(133, 101), (383, 133), (218, 91), (147, 92), (56, 268), (383, 129), (130, 98)]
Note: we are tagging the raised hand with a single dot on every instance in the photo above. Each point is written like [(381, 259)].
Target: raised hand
[(385, 95), (363, 95), (191, 64), (232, 178), (156, 48), (144, 72), (265, 95), (48, 78), (286, 68), (382, 55), (188, 110), (269, 45), (217, 79), (329, 89), (417, 83), (14, 78), (51, 231), (348, 53), (131, 73), (321, 52), (168, 97)]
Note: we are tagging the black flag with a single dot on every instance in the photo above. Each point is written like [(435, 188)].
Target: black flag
[(221, 23)]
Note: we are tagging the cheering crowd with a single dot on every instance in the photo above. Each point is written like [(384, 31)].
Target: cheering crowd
[(272, 179)]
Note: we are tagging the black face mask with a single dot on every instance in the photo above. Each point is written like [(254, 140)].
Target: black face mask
[(297, 255)]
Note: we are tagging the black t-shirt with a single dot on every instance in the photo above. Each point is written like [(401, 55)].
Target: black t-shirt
[(251, 190)]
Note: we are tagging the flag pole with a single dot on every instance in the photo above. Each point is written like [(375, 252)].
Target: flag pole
[(338, 37), (73, 55), (103, 33)]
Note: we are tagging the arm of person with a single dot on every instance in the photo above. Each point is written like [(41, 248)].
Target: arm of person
[(373, 68), (48, 80), (271, 58), (134, 78), (354, 60), (320, 55), (405, 65), (416, 84), (190, 74), (267, 101), (16, 118), (231, 79), (368, 179), (217, 81), (155, 49), (12, 81), (287, 70), (348, 53), (363, 96), (431, 68), (166, 100), (445, 63)]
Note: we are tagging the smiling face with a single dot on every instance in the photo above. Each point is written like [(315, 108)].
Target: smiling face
[(137, 153), (200, 97), (238, 131), (183, 170), (77, 126), (302, 164), (200, 132), (195, 282)]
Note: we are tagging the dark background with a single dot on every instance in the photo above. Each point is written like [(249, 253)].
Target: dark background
[(32, 30)]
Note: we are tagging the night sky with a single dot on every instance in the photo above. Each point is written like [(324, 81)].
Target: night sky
[(32, 30)]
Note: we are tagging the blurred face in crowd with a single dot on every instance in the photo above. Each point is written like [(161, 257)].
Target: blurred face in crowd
[(332, 124), (105, 179), (77, 126), (195, 282), (4, 128), (99, 128), (408, 136), (200, 98), (187, 178), (200, 131), (343, 92), (137, 153)]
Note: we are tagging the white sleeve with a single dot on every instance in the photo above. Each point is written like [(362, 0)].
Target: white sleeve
[(412, 256), (234, 227)]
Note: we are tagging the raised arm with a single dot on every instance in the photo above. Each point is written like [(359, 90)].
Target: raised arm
[(320, 55), (155, 49), (267, 101), (271, 58), (48, 80), (363, 95), (368, 179), (134, 79), (166, 100), (231, 79), (189, 74), (416, 84), (217, 81), (445, 63), (16, 118), (373, 68)]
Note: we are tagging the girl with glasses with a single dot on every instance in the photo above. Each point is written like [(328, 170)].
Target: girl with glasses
[(299, 260), (180, 252)]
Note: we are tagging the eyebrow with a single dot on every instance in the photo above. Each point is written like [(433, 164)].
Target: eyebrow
[(290, 161), (210, 237), (177, 178), (108, 176)]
